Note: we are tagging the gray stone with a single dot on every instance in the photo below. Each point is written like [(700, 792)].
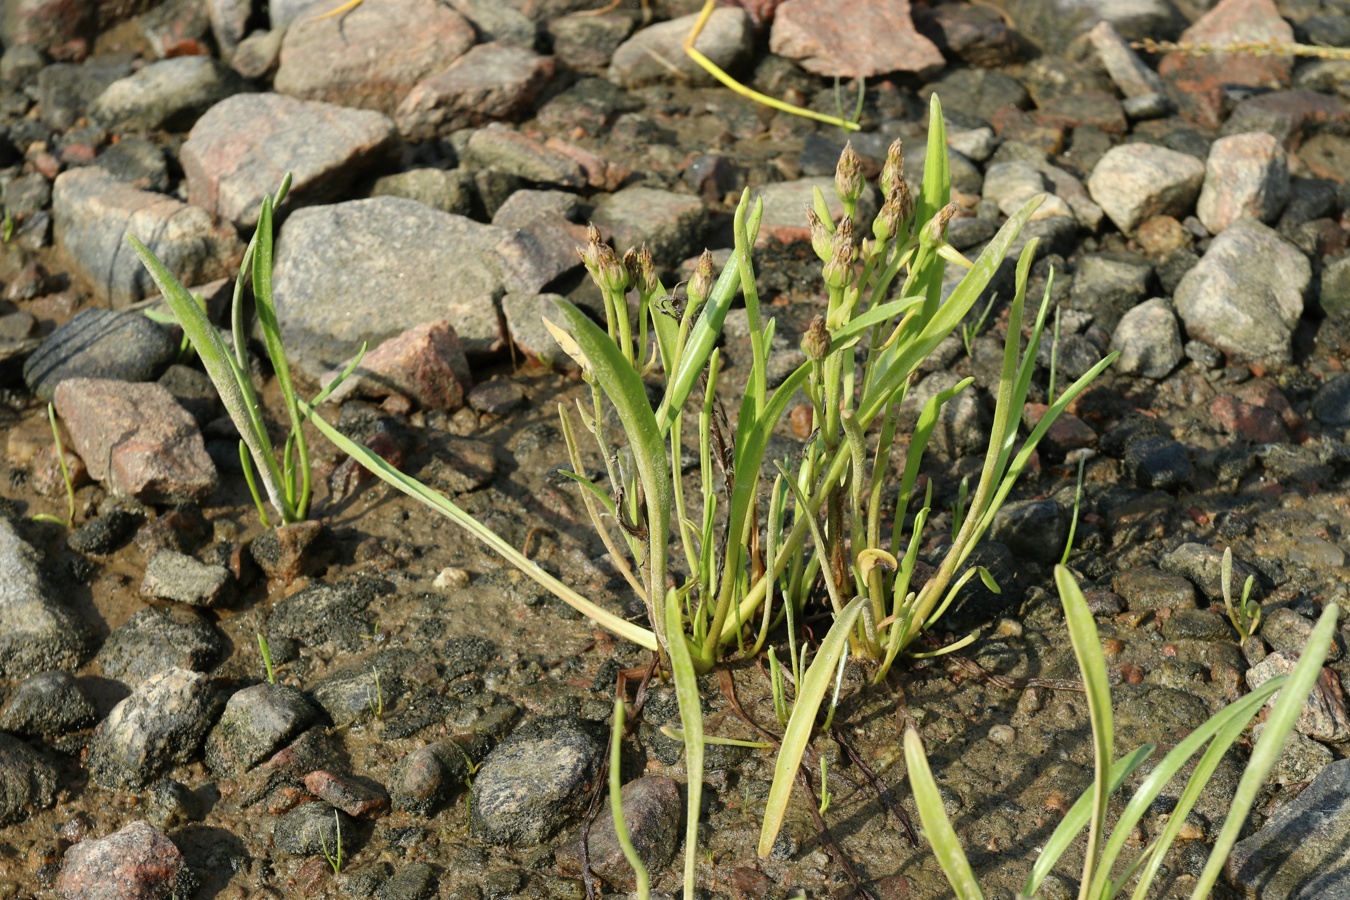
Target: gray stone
[(1011, 184), (1054, 26), (229, 18), (1246, 177), (1205, 625), (28, 780), (582, 41), (450, 192), (427, 777), (1286, 631), (1133, 182), (100, 343), (960, 427), (493, 20), (670, 225), (1127, 70), (323, 614), (1331, 403), (256, 722), (1203, 566), (363, 690), (94, 212), (162, 723), (1149, 340), (1032, 529), (1147, 588), (524, 315), (536, 781), (310, 828), (158, 639), (258, 54), (1146, 107), (1335, 285), (37, 633), (170, 575), (66, 91), (283, 13), (492, 81), (28, 194), (503, 150), (1301, 761), (238, 152), (1108, 285), (656, 53), (785, 205), (652, 812), (368, 270), (1246, 294), (169, 94), (47, 704), (1153, 714), (138, 162), (1301, 853), (1323, 717), (981, 93)]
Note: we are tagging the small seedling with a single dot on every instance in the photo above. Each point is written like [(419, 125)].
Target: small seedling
[(825, 795), (1073, 523), (65, 476), (334, 859), (969, 331), (266, 652), (616, 804), (375, 698), (7, 227), (1054, 360), (1246, 613), (781, 709), (959, 506)]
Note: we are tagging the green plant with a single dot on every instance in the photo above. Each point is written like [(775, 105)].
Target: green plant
[(334, 859), (69, 520), (616, 804), (825, 795), (1104, 850), (7, 227), (1073, 522), (375, 696), (266, 652), (1246, 613), (744, 565), (285, 480), (163, 318), (970, 330)]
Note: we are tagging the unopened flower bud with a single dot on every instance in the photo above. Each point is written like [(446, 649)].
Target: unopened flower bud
[(848, 176), (646, 280), (816, 341), (892, 172), (838, 270), (701, 285), (603, 263), (937, 226), (820, 235), (889, 221), (843, 239)]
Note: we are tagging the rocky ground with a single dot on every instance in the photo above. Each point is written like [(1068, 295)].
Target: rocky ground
[(433, 711)]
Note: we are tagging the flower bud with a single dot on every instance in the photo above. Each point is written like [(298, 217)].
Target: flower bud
[(936, 228), (603, 263), (843, 239), (889, 221), (848, 177), (816, 341), (701, 285), (646, 280), (838, 271), (892, 172), (820, 235)]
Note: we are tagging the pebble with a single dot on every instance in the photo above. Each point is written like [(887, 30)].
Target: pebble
[(653, 812), (256, 722), (138, 162), (170, 575), (509, 152), (337, 264), (169, 94), (1288, 632), (1300, 852), (258, 55), (361, 690), (371, 57), (586, 42), (100, 343), (1246, 294), (358, 800), (136, 440), (1203, 566), (1331, 403), (239, 150), (426, 364), (656, 53), (107, 533), (162, 723), (93, 212), (1133, 182), (852, 38), (1157, 463), (670, 225), (531, 785), (1032, 529), (28, 780), (1300, 763), (138, 862), (426, 778), (157, 639), (524, 314), (324, 614), (37, 632), (1148, 588), (497, 80), (980, 93), (1204, 625), (784, 220), (960, 428), (447, 191), (1324, 716), (1109, 285), (1149, 340), (47, 704), (311, 828), (66, 91), (1154, 714), (1055, 26), (1129, 73), (1246, 176), (229, 20), (497, 397)]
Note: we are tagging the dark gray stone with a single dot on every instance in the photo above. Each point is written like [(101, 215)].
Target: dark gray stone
[(37, 633), (1153, 714), (653, 812), (157, 639), (66, 91), (170, 575), (1109, 285), (978, 92), (324, 614), (162, 723), (447, 191), (1157, 462), (193, 390), (1054, 26), (1145, 588), (256, 722), (168, 94), (1197, 625), (47, 704), (106, 534), (28, 194), (727, 39), (429, 776), (1203, 566), (535, 782), (361, 690), (1331, 403), (1286, 631), (138, 162), (28, 781), (310, 828), (1034, 529), (504, 150), (415, 881), (670, 224), (100, 343)]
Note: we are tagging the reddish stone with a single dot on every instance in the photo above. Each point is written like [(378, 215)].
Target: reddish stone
[(136, 439), (47, 165), (601, 173), (425, 363), (1260, 392), (852, 38), (1247, 422), (282, 554), (353, 798), (1291, 116), (1066, 433), (497, 80), (45, 23), (350, 475), (1202, 79), (137, 863)]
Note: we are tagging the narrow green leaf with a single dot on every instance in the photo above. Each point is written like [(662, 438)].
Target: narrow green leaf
[(616, 804), (936, 826), (810, 693), (691, 718)]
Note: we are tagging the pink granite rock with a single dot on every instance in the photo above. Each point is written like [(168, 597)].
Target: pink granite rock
[(492, 81), (137, 863), (852, 38)]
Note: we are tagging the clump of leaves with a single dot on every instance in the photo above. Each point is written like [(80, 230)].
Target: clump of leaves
[(1245, 614)]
